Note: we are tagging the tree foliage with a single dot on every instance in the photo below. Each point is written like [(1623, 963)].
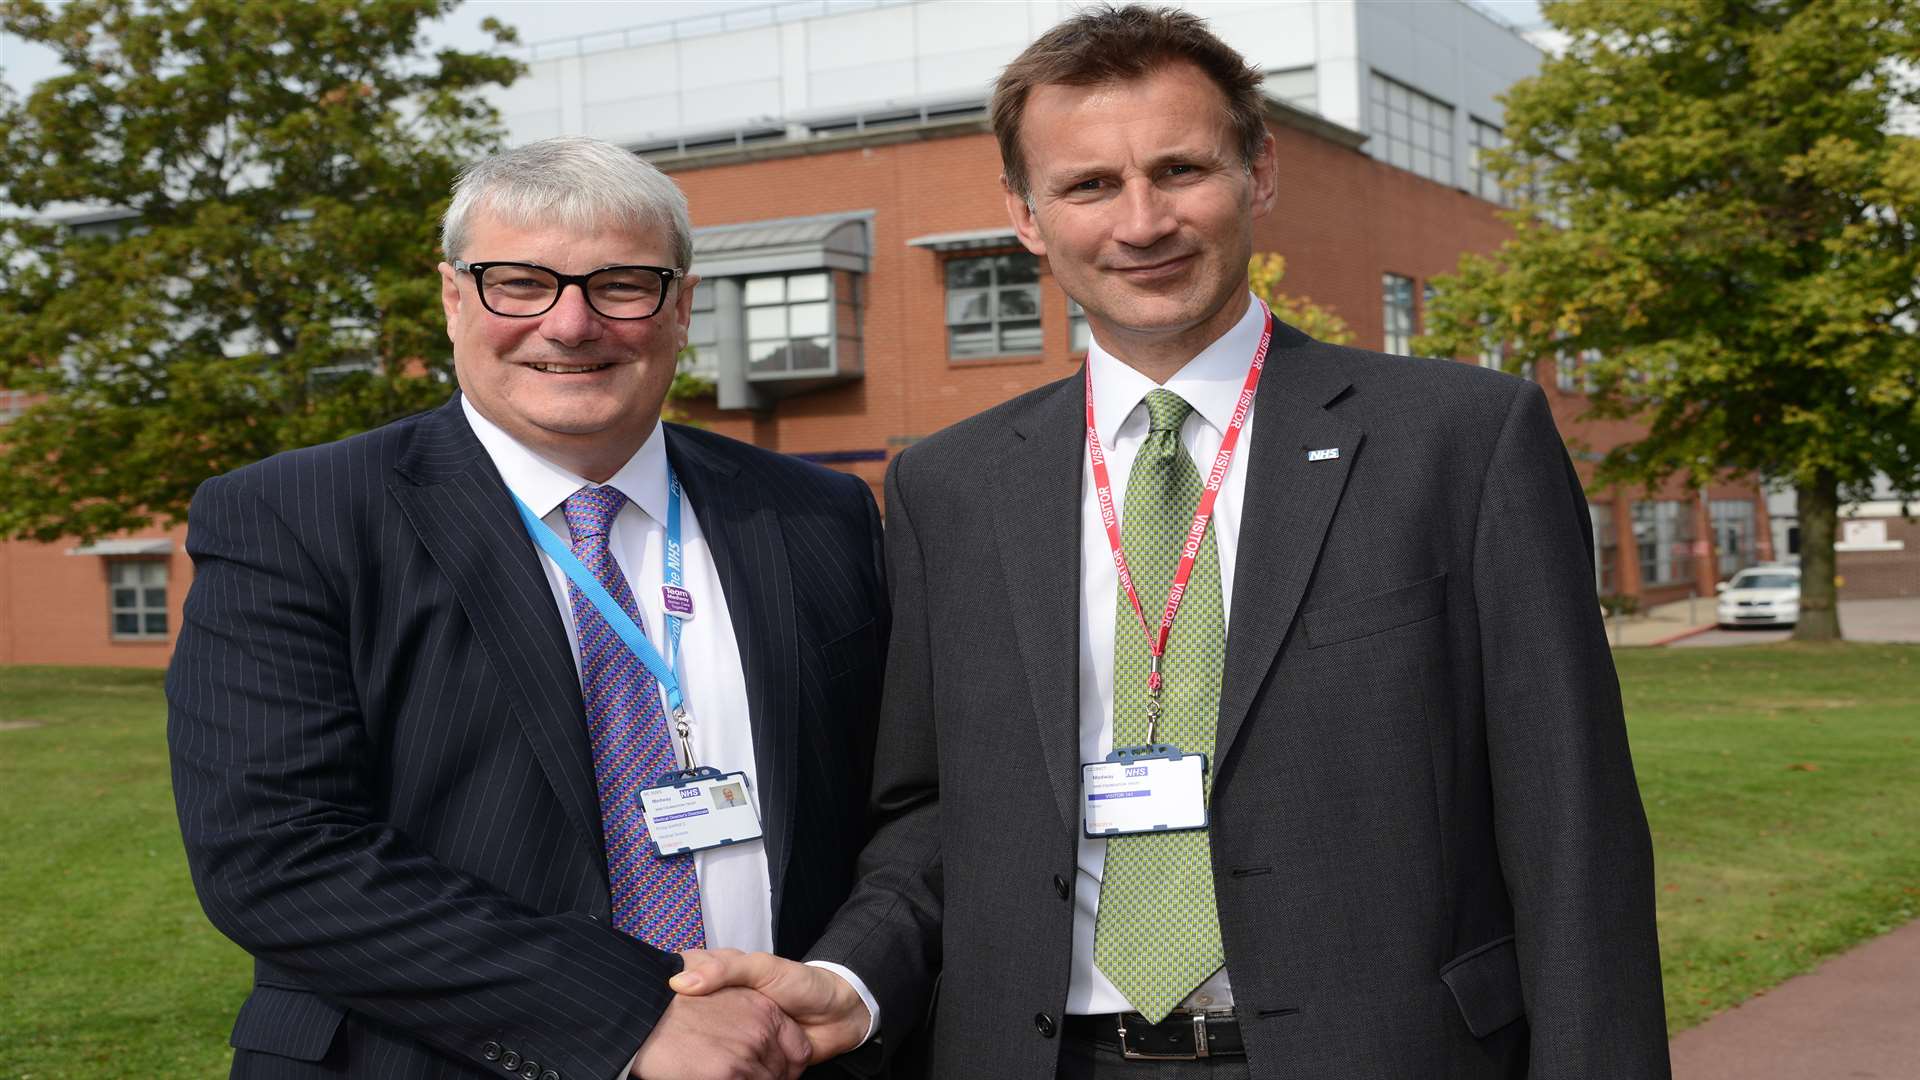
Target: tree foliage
[(1264, 272), (259, 185), (1718, 199)]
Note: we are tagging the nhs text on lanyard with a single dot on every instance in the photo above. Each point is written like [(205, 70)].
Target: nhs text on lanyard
[(688, 809), (1157, 787)]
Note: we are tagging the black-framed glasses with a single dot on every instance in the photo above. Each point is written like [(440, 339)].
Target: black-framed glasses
[(519, 290)]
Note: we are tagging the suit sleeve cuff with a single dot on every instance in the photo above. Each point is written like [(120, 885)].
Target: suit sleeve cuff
[(859, 987)]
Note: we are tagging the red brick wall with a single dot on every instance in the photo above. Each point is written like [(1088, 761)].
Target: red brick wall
[(1342, 219), (54, 606)]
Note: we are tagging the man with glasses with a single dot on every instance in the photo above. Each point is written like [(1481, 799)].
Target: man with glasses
[(442, 687)]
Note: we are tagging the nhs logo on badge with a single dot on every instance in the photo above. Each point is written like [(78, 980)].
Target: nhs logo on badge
[(1329, 454), (690, 793)]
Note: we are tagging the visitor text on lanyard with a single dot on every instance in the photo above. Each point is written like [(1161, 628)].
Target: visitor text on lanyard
[(1196, 532)]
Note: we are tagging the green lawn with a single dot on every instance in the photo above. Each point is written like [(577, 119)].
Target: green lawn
[(1777, 780), (1782, 784), (111, 969)]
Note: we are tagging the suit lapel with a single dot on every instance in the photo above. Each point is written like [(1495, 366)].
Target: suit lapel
[(458, 505), (1290, 502), (743, 532), (1037, 524)]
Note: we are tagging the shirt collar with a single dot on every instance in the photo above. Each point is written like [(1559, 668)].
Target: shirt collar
[(543, 485), (1211, 382)]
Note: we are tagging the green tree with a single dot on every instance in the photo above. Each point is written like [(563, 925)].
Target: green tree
[(1718, 200), (271, 174), (1264, 272)]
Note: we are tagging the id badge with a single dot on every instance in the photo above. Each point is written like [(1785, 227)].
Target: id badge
[(1144, 789), (696, 809)]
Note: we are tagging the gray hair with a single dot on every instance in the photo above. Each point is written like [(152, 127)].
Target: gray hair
[(575, 182)]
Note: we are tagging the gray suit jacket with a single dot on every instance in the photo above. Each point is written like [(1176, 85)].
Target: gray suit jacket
[(1429, 852)]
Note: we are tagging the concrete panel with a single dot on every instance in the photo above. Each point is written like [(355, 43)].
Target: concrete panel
[(627, 73), (745, 57), (868, 84), (638, 119), (1270, 36), (731, 105), (861, 38), (949, 27)]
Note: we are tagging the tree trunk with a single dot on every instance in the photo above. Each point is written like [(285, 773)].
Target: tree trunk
[(1819, 514)]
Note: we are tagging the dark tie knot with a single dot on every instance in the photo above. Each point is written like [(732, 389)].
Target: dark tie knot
[(591, 510), (1166, 410)]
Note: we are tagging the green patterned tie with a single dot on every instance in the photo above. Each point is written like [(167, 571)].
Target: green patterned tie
[(1157, 934)]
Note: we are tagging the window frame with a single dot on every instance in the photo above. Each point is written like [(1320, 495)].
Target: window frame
[(996, 322), (142, 609)]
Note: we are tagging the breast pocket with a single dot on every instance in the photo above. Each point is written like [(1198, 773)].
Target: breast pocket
[(1375, 614)]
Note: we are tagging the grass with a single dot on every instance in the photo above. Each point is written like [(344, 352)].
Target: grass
[(1781, 784), (111, 969), (1780, 781)]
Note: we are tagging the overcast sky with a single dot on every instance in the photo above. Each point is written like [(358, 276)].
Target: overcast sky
[(547, 20)]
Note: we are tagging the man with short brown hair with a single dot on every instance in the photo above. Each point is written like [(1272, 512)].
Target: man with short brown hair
[(1215, 751)]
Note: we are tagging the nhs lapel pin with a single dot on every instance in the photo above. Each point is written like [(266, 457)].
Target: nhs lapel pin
[(677, 601), (1331, 453)]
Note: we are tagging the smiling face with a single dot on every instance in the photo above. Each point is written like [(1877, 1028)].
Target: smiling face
[(1143, 209), (571, 385)]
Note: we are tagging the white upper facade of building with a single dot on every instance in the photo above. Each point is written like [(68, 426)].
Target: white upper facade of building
[(1419, 78)]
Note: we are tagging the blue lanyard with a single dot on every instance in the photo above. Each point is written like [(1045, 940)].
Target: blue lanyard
[(622, 624)]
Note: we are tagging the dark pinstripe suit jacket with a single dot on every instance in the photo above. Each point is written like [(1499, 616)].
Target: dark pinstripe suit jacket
[(1428, 849), (381, 763)]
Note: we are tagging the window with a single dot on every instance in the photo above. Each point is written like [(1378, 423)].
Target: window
[(1415, 132), (703, 335), (137, 592), (1570, 371), (1606, 549), (1663, 533), (1397, 293), (12, 404), (1298, 87), (1482, 137), (993, 306), (1732, 533), (794, 320), (1078, 336)]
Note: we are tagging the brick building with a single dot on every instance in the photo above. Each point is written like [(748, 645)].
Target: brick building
[(862, 288)]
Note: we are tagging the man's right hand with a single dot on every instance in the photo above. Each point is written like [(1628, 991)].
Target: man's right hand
[(731, 1034), (829, 1011)]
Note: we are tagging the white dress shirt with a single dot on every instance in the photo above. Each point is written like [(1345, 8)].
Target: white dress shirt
[(736, 897), (1211, 383), (736, 893)]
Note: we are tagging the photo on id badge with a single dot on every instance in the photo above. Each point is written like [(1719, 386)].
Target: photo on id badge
[(698, 809)]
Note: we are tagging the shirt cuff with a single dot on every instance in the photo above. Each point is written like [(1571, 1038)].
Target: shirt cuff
[(632, 1064), (859, 987)]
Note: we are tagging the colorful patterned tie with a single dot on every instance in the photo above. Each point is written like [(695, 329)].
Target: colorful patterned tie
[(654, 899), (1157, 932)]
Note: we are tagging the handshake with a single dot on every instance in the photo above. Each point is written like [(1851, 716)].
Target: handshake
[(750, 1016)]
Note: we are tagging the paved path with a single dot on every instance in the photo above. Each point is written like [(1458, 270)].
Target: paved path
[(1857, 1017), (1691, 624)]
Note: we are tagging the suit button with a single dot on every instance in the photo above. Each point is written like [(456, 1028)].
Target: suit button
[(491, 1051), (1060, 886), (511, 1062), (530, 1071), (549, 1075), (1043, 1024)]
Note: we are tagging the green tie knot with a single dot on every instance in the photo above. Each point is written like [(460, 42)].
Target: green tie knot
[(1166, 410)]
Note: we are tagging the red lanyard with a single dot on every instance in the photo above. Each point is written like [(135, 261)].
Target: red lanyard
[(1196, 532)]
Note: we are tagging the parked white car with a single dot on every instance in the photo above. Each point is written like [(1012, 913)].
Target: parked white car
[(1761, 596)]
